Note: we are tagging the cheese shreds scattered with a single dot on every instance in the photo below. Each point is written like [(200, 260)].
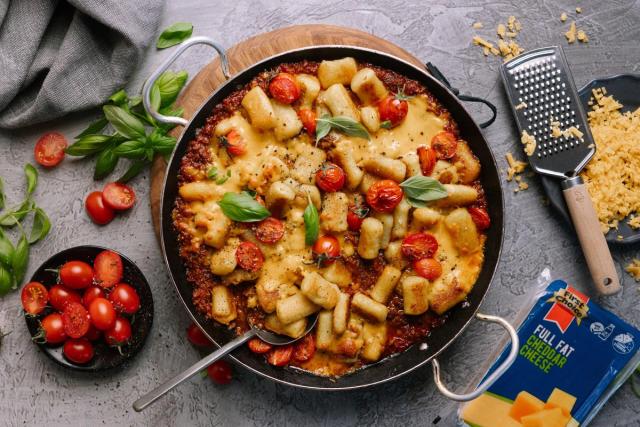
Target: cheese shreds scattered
[(571, 34), (578, 10), (501, 31), (521, 105), (516, 167), (529, 143), (563, 17), (634, 222), (513, 24), (582, 36), (633, 268), (486, 51), (555, 131), (522, 186), (477, 25), (573, 131), (482, 42), (507, 50)]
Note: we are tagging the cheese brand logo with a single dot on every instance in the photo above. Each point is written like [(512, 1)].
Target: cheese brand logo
[(568, 304)]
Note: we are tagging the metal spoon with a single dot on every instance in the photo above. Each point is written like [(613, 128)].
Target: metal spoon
[(269, 337)]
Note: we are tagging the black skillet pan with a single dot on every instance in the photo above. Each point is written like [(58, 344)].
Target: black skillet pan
[(626, 89), (458, 318)]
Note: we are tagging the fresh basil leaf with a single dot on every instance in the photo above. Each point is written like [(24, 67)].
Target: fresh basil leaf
[(155, 98), (242, 207), (3, 197), (164, 144), (20, 260), (41, 226), (6, 250), (130, 149), (323, 126), (168, 111), (11, 218), (174, 34), (311, 223), (212, 173), (134, 101), (88, 144), (5, 283), (342, 124), (169, 85), (93, 128), (105, 163), (119, 98), (32, 178), (224, 178), (124, 122), (134, 169), (422, 189)]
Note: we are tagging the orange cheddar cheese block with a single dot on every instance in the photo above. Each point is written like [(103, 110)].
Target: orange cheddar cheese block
[(489, 411), (525, 404), (560, 399), (545, 418)]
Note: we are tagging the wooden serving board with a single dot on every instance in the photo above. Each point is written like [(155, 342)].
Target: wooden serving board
[(247, 53)]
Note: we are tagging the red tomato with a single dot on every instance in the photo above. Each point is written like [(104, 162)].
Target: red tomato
[(384, 196), (393, 109), (258, 346), (118, 197), (125, 299), (357, 213), (119, 334), (52, 329), (427, 157), (249, 256), (76, 274), (97, 210), (270, 230), (330, 177), (284, 88), (78, 351), (197, 337), (59, 297), (49, 150), (76, 320), (233, 142), (480, 217), (103, 315), (304, 349), (417, 246), (308, 119), (326, 249), (220, 372), (428, 268), (93, 334), (91, 293), (34, 298), (444, 144), (108, 268), (280, 356)]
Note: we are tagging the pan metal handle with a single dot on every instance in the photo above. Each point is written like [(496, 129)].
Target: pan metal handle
[(146, 88), (482, 387)]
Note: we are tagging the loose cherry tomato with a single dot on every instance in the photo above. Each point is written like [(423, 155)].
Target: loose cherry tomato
[(308, 119), (249, 256), (78, 351), (49, 150), (34, 298), (118, 197), (108, 268), (97, 210), (326, 249), (119, 334), (270, 230), (280, 356), (103, 315), (76, 320), (427, 157), (330, 177), (356, 214), (384, 196), (91, 293), (417, 246), (235, 145), (52, 329), (76, 274), (480, 217), (197, 337), (125, 299), (93, 334), (284, 88), (393, 108), (444, 144), (304, 349), (258, 346), (220, 372), (59, 297), (428, 268)]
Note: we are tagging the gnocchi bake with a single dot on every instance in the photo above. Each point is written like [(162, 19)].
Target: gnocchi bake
[(337, 192)]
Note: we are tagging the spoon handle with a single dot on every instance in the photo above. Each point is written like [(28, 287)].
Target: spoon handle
[(163, 388)]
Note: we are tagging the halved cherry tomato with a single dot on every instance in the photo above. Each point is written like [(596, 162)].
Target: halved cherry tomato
[(428, 268), (76, 274), (91, 293), (34, 297), (480, 217), (93, 334), (78, 351), (97, 210), (330, 177), (326, 249), (108, 268), (49, 150), (118, 197), (270, 230), (444, 144), (119, 334), (308, 119), (76, 320), (249, 256), (284, 88), (384, 196), (52, 329), (258, 346), (304, 349), (220, 372), (197, 337), (103, 315), (59, 297), (125, 299), (235, 145), (393, 108), (417, 246), (427, 158), (280, 356)]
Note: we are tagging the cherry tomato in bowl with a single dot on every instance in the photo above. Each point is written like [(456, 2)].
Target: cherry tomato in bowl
[(51, 330), (118, 197), (60, 296), (76, 274), (91, 293), (78, 350), (99, 213), (119, 334), (34, 298), (76, 320), (125, 299), (49, 150), (108, 269)]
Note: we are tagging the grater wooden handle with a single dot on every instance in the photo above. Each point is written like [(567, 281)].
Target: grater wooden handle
[(594, 245)]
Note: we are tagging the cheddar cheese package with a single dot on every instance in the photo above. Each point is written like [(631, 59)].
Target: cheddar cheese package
[(573, 355)]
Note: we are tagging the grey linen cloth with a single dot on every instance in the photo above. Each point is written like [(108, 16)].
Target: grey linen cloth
[(57, 57)]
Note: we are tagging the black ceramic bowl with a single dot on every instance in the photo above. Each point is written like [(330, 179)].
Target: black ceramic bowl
[(105, 357)]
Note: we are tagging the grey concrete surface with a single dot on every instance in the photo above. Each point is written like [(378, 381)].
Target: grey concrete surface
[(34, 391)]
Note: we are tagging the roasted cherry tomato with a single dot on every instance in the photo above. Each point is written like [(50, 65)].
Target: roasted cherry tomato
[(444, 144), (99, 213), (280, 356), (91, 293), (326, 249), (330, 177), (417, 246), (270, 230), (427, 158), (125, 299), (428, 268), (233, 142), (197, 337), (393, 109), (284, 88), (52, 329), (258, 346), (480, 217), (76, 320), (357, 213), (108, 269), (34, 298), (220, 372), (59, 297), (308, 119), (304, 349), (93, 334), (76, 274), (249, 256), (118, 197), (78, 351), (103, 315), (119, 334), (384, 196), (49, 150)]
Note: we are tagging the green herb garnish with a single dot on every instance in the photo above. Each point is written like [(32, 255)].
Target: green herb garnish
[(342, 124), (422, 189), (242, 207), (311, 223), (174, 34)]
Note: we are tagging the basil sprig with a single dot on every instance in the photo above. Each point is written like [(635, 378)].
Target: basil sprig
[(422, 189), (174, 34), (311, 223), (242, 207), (342, 124)]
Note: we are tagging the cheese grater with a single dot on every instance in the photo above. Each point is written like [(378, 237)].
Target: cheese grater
[(545, 103)]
